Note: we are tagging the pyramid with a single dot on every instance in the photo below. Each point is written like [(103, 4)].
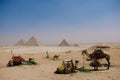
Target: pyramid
[(76, 45), (64, 43), (20, 43), (32, 42)]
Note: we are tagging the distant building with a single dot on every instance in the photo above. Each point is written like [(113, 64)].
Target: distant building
[(32, 42), (64, 43), (20, 43), (76, 45)]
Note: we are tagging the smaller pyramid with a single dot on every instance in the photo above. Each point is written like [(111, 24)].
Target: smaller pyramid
[(20, 43), (32, 42), (64, 43), (76, 45)]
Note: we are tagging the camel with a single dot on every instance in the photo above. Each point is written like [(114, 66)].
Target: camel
[(67, 67), (56, 57), (16, 60), (95, 56), (68, 51)]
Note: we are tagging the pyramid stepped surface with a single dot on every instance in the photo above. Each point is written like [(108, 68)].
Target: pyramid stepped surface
[(20, 43), (64, 43), (32, 42)]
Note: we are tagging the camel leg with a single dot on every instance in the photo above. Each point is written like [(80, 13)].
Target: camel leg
[(95, 68), (108, 65), (108, 61)]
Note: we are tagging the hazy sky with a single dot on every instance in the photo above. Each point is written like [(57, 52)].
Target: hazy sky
[(77, 21)]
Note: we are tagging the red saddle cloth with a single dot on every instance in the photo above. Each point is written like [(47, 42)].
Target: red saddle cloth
[(18, 59)]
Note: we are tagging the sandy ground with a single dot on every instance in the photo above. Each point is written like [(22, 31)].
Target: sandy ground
[(46, 67)]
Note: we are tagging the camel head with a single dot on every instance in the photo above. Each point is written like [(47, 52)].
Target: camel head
[(84, 52)]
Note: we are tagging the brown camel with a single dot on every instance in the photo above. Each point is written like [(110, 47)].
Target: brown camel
[(56, 57), (97, 54)]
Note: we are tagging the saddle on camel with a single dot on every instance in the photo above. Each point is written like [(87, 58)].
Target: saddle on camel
[(98, 54), (67, 67), (15, 60)]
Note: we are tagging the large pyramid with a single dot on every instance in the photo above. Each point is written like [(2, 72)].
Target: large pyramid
[(20, 43), (32, 42), (64, 43)]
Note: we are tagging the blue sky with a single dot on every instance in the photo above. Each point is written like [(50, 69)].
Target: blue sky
[(77, 21)]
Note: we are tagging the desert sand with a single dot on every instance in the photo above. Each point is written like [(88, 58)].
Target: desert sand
[(46, 67)]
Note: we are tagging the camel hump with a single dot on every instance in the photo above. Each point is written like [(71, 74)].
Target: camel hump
[(98, 53)]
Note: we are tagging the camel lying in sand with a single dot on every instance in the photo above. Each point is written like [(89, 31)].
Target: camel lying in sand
[(67, 67)]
